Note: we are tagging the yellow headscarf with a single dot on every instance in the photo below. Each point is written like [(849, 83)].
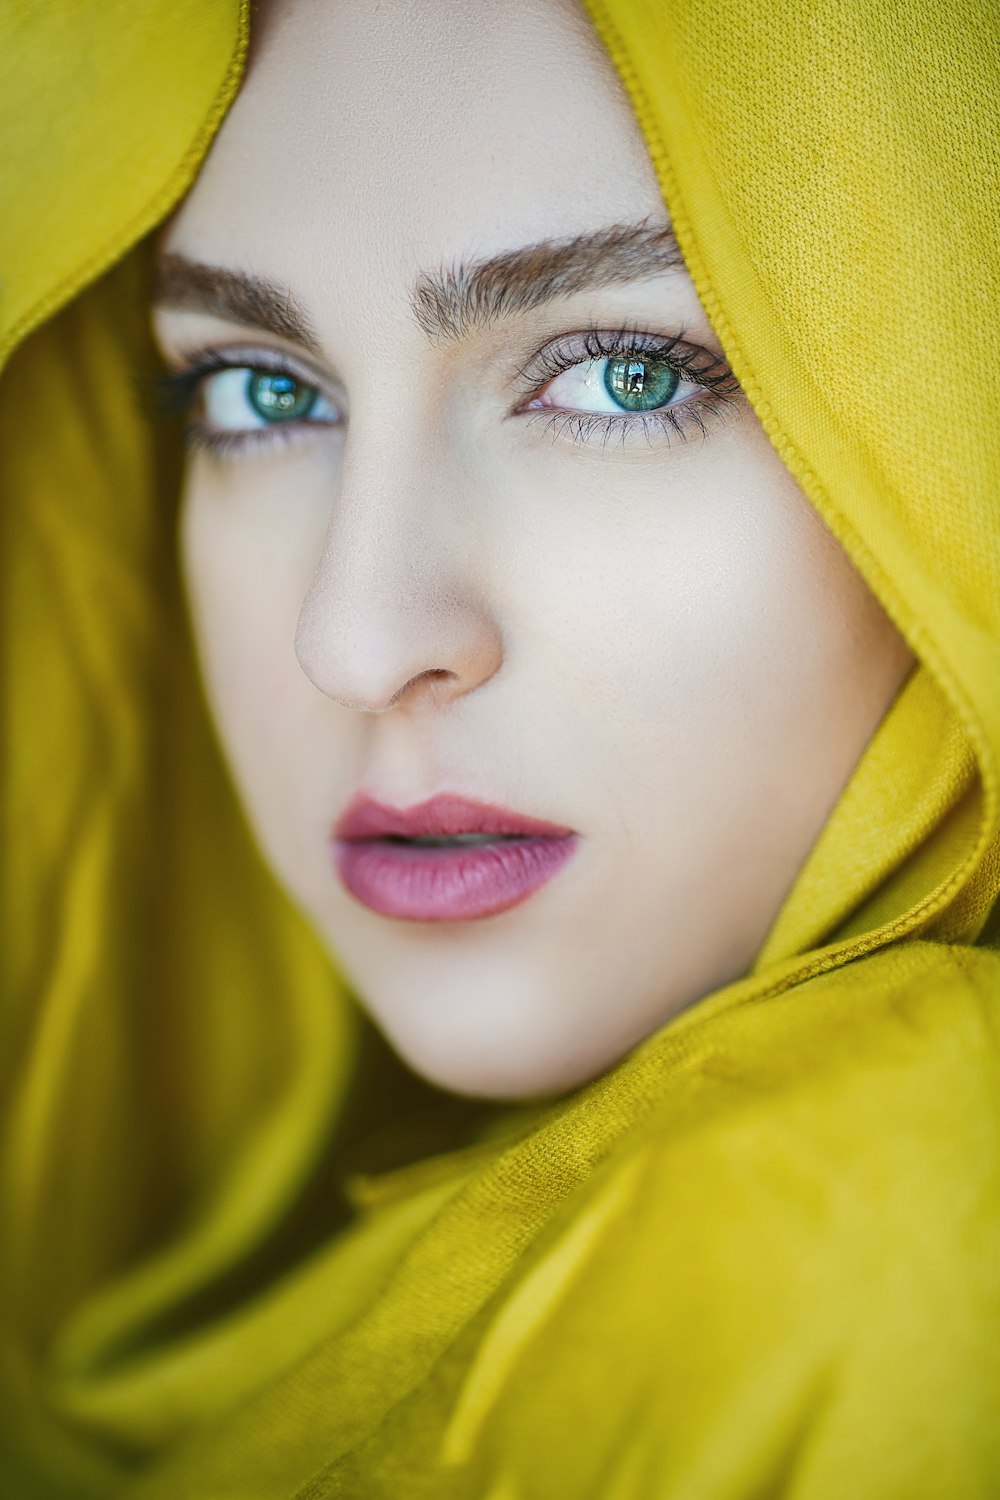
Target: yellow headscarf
[(759, 1256)]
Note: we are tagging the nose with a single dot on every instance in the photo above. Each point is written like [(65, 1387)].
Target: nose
[(396, 612)]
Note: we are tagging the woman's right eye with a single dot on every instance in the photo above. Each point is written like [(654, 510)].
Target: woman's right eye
[(241, 399)]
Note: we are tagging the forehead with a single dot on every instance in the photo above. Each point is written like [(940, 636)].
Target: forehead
[(370, 142)]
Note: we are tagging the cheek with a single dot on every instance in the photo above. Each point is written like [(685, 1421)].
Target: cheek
[(250, 537), (243, 567), (236, 609), (731, 652)]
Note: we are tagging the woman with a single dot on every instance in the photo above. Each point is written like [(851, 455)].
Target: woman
[(567, 1065)]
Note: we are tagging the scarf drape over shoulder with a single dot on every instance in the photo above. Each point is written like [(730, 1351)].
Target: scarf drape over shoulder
[(759, 1256)]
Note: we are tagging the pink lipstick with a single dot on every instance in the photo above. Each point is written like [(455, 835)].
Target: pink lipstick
[(446, 859)]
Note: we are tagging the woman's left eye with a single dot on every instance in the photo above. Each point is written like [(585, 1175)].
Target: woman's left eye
[(240, 398), (615, 386)]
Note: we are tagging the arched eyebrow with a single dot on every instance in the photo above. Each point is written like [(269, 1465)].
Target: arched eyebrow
[(455, 301), (236, 296), (448, 304)]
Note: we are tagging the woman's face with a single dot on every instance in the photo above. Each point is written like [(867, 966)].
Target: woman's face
[(491, 520)]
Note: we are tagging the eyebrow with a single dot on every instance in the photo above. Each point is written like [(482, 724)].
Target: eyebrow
[(448, 304), (458, 300), (237, 296)]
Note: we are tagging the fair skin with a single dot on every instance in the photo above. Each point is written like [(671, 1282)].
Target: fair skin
[(625, 624)]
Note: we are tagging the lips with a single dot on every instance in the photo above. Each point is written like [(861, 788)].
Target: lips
[(445, 816), (483, 859)]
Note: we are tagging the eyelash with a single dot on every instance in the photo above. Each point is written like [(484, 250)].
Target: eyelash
[(691, 362), (174, 393)]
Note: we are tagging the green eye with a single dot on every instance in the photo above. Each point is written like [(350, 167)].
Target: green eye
[(279, 398), (640, 384)]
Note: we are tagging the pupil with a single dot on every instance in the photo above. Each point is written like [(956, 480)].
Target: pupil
[(278, 397), (640, 384)]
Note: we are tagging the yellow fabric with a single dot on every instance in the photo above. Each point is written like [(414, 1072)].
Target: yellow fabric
[(761, 1256)]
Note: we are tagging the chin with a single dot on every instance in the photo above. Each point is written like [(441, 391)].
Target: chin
[(488, 1066), (516, 1025)]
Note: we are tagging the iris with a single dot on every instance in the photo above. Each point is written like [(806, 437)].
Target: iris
[(640, 384), (279, 398)]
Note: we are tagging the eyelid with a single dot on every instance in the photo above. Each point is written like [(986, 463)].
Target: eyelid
[(566, 350), (693, 363), (238, 353), (175, 393), (196, 365)]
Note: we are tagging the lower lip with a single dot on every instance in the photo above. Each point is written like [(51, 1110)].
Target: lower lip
[(457, 884)]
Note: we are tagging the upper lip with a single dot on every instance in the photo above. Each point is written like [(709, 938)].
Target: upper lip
[(439, 817)]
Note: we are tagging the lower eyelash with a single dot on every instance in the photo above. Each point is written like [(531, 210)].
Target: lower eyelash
[(201, 439), (693, 363), (588, 427), (175, 391), (578, 426), (172, 393)]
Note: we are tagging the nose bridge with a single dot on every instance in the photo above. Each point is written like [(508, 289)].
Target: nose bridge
[(397, 601)]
